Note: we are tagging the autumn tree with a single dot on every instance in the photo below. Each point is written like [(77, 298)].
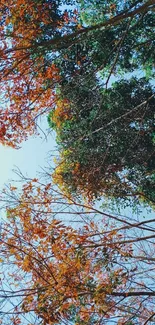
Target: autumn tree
[(61, 60), (94, 273), (28, 73), (34, 35)]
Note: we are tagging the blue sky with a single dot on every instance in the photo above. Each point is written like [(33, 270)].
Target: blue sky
[(29, 159)]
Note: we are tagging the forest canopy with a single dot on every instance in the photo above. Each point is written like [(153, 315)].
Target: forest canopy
[(88, 67)]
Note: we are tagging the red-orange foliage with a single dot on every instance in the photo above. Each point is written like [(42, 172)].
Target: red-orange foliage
[(27, 75), (61, 273)]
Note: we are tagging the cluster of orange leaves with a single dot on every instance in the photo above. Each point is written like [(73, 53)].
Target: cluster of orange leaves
[(67, 268), (27, 78)]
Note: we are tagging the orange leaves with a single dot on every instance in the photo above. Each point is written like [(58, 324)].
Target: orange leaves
[(64, 271), (52, 72), (27, 79), (2, 131), (47, 187), (15, 320), (40, 232), (13, 188), (66, 17), (29, 76), (26, 263)]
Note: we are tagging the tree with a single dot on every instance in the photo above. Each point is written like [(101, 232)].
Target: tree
[(106, 143), (62, 60), (57, 273), (28, 73), (30, 69), (105, 128)]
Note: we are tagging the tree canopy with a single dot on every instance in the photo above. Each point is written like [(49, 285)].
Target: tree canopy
[(104, 118), (88, 66), (54, 273), (107, 142), (43, 43)]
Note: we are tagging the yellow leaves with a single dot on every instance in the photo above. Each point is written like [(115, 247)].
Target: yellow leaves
[(1, 260), (26, 263), (76, 168), (38, 190), (79, 26), (12, 250), (61, 113), (113, 232), (78, 264), (28, 300)]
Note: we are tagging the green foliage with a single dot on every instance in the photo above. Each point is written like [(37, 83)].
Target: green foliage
[(111, 138), (106, 142)]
